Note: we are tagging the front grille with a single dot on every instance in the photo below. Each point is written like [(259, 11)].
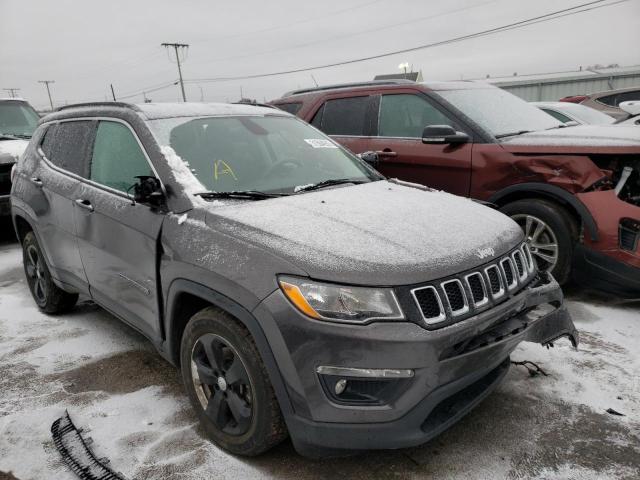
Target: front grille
[(5, 179), (476, 285), (494, 280), (629, 234), (429, 303), (517, 257), (455, 296), (507, 268), (469, 292)]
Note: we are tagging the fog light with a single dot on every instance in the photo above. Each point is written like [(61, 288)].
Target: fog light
[(340, 387)]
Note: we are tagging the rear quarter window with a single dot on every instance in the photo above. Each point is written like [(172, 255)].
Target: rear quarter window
[(67, 145), (342, 116), (293, 108)]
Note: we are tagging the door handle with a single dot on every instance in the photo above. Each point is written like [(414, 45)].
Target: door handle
[(386, 154), (36, 181), (86, 204)]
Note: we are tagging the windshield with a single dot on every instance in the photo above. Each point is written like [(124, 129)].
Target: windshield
[(273, 154), (587, 114), (17, 118), (498, 111)]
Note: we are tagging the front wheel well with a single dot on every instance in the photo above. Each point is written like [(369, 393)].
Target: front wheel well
[(186, 305), (569, 210)]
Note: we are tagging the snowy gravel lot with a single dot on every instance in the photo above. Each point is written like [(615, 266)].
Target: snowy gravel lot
[(114, 385)]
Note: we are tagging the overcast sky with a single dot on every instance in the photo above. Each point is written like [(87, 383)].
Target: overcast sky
[(84, 45)]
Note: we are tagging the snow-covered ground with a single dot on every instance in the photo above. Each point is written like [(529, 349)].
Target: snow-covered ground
[(131, 401)]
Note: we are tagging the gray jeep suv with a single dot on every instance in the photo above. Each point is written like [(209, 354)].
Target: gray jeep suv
[(298, 290)]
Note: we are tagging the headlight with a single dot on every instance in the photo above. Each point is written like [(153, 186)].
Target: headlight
[(341, 303)]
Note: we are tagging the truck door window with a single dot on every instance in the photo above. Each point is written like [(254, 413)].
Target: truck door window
[(406, 115), (117, 157)]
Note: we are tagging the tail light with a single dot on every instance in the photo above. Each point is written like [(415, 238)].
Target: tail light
[(574, 99)]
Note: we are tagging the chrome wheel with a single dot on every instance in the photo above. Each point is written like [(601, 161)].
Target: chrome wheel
[(35, 274), (222, 384), (541, 239)]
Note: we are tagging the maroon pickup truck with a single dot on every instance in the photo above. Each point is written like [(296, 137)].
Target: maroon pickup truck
[(574, 190)]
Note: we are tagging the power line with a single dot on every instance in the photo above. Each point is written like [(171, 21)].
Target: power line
[(295, 23), (520, 24), (12, 91), (150, 90), (184, 47), (47, 82), (352, 34)]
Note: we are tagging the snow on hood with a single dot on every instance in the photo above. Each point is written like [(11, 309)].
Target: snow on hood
[(10, 150), (579, 136), (376, 233)]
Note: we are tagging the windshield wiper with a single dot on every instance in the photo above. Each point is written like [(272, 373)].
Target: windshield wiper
[(14, 136), (241, 194), (513, 134), (326, 183)]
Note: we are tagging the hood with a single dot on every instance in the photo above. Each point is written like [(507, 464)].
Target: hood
[(377, 233), (578, 139), (10, 150)]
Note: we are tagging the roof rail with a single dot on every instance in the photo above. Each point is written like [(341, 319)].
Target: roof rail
[(348, 85), (257, 104), (99, 104)]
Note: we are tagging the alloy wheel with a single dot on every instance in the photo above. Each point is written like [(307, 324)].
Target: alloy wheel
[(36, 275), (541, 239), (222, 384)]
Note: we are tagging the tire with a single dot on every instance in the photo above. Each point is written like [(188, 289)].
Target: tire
[(557, 223), (212, 333), (48, 296)]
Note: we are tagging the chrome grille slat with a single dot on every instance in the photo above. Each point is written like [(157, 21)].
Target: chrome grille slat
[(477, 287), (470, 292), (456, 297), (429, 304)]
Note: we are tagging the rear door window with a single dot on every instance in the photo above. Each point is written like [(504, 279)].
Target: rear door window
[(343, 116), (406, 115), (68, 145), (117, 157)]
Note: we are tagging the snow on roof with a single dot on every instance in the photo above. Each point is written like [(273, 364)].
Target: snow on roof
[(154, 111)]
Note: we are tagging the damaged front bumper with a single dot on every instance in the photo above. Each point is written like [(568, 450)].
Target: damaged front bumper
[(452, 369)]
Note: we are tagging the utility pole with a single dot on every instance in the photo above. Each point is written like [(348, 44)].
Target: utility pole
[(47, 82), (113, 94), (12, 91), (176, 46)]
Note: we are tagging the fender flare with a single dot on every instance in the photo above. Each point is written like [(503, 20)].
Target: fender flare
[(244, 316), (554, 193)]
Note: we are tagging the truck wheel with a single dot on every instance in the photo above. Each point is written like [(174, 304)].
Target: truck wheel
[(228, 384), (47, 295), (548, 231)]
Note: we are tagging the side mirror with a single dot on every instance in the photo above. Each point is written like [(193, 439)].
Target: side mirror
[(148, 190), (632, 107), (371, 158), (443, 134)]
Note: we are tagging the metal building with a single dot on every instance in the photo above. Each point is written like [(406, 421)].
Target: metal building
[(554, 86)]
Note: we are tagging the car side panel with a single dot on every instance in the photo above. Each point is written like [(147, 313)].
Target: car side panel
[(117, 243), (46, 194)]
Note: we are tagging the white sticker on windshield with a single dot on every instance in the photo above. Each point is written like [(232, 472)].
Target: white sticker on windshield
[(320, 143)]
